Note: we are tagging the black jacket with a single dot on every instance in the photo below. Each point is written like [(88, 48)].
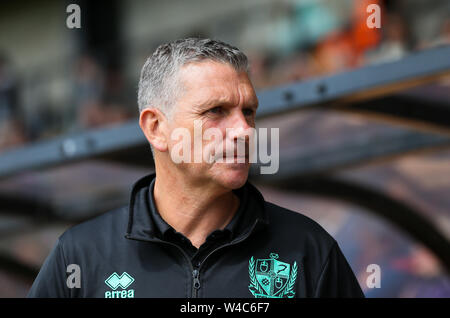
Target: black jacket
[(268, 251)]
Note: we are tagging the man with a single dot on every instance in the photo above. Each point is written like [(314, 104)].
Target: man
[(197, 229)]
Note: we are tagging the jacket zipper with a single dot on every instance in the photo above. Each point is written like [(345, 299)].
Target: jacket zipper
[(196, 271), (192, 270), (196, 283), (230, 244)]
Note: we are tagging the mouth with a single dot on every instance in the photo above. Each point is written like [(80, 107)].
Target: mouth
[(233, 157), (236, 159)]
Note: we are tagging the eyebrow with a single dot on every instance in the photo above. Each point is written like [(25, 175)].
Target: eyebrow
[(255, 104), (216, 102)]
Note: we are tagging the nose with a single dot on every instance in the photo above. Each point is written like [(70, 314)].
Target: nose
[(239, 126), (240, 136)]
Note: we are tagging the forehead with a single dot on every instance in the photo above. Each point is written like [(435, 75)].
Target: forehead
[(214, 81)]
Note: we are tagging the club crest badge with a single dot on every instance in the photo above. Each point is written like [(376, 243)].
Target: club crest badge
[(271, 278)]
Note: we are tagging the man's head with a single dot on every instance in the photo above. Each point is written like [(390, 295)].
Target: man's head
[(192, 81)]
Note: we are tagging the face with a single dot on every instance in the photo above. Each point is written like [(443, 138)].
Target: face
[(224, 101)]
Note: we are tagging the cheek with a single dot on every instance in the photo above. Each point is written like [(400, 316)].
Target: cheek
[(213, 134)]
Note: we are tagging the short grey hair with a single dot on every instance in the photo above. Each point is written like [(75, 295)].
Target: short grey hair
[(159, 85)]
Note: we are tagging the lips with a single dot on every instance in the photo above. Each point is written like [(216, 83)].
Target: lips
[(235, 156), (232, 156), (236, 159)]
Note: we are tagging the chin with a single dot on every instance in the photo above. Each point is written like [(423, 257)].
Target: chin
[(233, 176)]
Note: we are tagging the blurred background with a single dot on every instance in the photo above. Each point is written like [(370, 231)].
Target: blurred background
[(372, 166)]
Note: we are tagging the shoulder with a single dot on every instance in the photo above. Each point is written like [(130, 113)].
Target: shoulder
[(105, 227), (295, 226)]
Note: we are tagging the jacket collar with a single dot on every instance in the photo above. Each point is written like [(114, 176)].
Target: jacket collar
[(141, 226)]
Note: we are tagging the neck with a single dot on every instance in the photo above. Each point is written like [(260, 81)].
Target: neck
[(195, 210)]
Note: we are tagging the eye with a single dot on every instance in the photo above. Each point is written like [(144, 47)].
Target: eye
[(248, 112), (216, 110)]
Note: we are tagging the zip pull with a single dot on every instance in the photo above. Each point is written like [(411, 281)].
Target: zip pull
[(195, 274)]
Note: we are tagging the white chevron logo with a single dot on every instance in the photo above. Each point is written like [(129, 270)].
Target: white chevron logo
[(115, 280)]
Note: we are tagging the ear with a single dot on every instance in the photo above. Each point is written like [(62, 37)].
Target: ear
[(152, 122)]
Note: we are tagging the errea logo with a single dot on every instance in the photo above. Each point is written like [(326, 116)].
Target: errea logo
[(123, 281)]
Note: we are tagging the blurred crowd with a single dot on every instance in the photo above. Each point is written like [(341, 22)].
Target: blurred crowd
[(350, 46), (101, 97), (98, 99)]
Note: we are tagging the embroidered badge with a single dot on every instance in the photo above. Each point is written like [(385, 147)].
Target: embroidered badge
[(270, 278)]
